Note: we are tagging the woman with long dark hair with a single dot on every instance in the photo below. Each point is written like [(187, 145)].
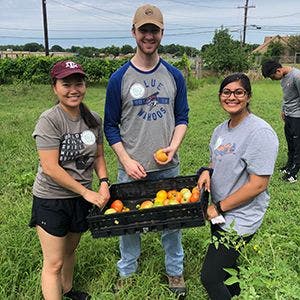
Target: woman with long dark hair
[(69, 141)]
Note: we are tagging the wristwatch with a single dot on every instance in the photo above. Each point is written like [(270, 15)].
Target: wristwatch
[(104, 179)]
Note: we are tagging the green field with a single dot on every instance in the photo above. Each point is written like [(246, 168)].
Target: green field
[(270, 263)]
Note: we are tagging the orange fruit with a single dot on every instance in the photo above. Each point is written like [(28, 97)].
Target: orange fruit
[(172, 194), (117, 205), (162, 194), (166, 201), (179, 197), (195, 189), (195, 197), (161, 156), (146, 204)]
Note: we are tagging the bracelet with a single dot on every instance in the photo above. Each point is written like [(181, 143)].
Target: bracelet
[(104, 179), (218, 208), (202, 169)]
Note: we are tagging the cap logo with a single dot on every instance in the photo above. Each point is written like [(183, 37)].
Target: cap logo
[(149, 12), (71, 65)]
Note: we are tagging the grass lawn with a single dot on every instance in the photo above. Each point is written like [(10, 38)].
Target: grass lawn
[(269, 265)]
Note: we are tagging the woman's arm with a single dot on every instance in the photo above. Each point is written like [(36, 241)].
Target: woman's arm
[(101, 171), (50, 166), (255, 185)]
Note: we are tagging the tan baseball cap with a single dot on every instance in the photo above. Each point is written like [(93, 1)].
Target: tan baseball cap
[(148, 14)]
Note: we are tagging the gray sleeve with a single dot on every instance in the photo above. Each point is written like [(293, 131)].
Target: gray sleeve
[(297, 84), (46, 134), (261, 153)]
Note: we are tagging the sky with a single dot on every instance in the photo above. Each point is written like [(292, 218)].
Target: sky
[(102, 23)]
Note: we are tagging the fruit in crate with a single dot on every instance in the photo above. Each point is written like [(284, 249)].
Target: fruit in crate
[(110, 211), (117, 205), (161, 156), (195, 194), (162, 194), (172, 194), (173, 202), (186, 196), (158, 202), (184, 190), (146, 204)]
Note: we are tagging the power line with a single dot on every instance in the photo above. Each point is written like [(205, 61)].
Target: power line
[(111, 20), (203, 6), (277, 17), (100, 9)]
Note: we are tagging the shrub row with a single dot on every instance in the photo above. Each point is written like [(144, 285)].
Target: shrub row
[(36, 69)]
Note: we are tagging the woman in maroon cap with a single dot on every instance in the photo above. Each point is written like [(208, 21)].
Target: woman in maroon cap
[(69, 141)]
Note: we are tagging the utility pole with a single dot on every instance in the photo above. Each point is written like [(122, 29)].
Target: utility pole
[(245, 19), (45, 27)]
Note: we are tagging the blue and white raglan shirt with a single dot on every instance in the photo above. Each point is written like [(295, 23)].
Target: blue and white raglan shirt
[(142, 110)]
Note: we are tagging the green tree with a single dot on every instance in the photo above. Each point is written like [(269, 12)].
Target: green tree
[(294, 43), (88, 51), (74, 49), (275, 50), (57, 48), (126, 49), (185, 65), (33, 47), (114, 50), (225, 54)]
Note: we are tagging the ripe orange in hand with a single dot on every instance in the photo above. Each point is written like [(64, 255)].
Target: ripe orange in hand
[(117, 205), (161, 156)]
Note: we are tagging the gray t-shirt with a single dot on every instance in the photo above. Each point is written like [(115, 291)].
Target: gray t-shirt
[(290, 85), (249, 148), (142, 110), (77, 146)]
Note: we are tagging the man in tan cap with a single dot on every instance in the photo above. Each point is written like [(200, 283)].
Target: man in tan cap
[(146, 109)]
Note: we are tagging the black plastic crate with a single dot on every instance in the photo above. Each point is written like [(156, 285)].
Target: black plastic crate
[(151, 219)]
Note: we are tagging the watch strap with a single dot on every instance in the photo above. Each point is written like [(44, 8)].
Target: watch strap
[(218, 208), (104, 179)]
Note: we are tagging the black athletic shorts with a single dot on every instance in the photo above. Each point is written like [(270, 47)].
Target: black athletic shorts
[(60, 216)]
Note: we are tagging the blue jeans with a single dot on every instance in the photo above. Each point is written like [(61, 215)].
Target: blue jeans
[(130, 245)]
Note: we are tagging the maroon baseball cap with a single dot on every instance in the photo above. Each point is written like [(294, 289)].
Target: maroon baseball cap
[(63, 69)]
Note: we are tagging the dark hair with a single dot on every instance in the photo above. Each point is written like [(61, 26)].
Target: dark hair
[(243, 78), (85, 113), (269, 68)]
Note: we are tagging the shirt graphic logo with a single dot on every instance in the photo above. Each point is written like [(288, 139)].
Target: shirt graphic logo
[(88, 137), (151, 102), (137, 91), (70, 147), (224, 149)]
